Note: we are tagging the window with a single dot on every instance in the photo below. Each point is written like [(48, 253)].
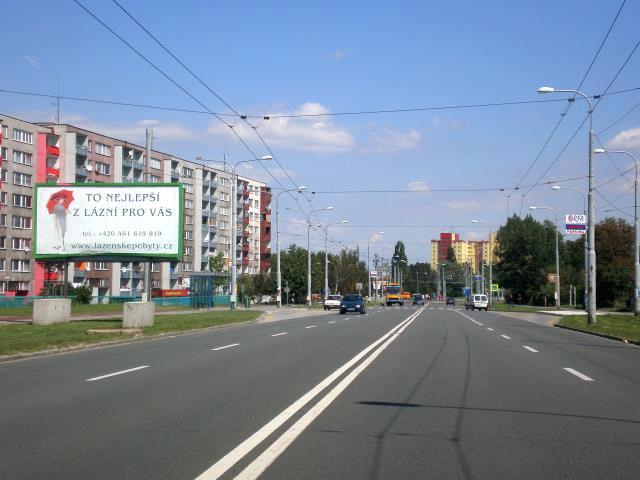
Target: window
[(188, 235), (4, 153), (155, 163), (22, 157), (3, 175), (21, 222), (20, 266), (5, 131), (22, 136), (3, 219), (103, 168), (224, 182), (224, 240), (224, 196), (102, 266), (188, 220), (20, 243), (223, 210), (188, 188), (155, 283), (19, 200), (155, 267), (3, 243), (187, 267), (188, 203), (2, 266), (187, 250), (102, 149), (223, 225), (3, 198), (154, 179), (187, 172), (21, 179)]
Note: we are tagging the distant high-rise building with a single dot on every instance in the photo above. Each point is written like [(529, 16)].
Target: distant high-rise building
[(475, 252)]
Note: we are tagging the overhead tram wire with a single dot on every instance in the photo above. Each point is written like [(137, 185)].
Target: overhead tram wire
[(598, 100), (219, 97), (629, 112), (572, 100), (180, 87)]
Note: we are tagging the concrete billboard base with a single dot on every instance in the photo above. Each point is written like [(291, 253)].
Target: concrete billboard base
[(47, 311), (138, 314)]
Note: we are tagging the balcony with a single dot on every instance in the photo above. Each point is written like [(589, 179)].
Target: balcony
[(245, 234), (173, 274), (206, 182), (82, 150), (267, 211), (79, 273), (267, 251), (245, 248), (53, 150), (206, 213), (245, 261), (265, 266), (245, 193), (245, 207), (207, 198), (81, 171), (245, 221), (175, 173), (266, 237), (53, 172)]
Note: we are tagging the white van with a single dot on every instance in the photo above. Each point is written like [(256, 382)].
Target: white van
[(480, 302)]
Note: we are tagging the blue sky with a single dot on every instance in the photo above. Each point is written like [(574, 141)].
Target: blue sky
[(297, 57)]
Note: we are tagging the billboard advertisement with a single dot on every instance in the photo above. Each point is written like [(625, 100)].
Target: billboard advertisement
[(108, 220)]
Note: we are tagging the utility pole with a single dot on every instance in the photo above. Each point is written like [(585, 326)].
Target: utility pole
[(146, 296)]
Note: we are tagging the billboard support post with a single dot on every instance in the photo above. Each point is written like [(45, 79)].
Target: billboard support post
[(146, 296)]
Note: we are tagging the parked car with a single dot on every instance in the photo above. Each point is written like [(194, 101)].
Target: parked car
[(332, 301), (451, 301), (473, 302), (418, 299), (352, 303)]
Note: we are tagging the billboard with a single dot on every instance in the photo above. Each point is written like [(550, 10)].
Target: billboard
[(108, 220), (576, 224)]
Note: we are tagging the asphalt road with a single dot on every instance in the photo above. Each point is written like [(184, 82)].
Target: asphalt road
[(397, 393)]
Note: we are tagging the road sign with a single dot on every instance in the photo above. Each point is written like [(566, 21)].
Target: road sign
[(358, 286), (495, 287), (466, 291), (551, 277), (576, 224), (450, 276), (477, 278)]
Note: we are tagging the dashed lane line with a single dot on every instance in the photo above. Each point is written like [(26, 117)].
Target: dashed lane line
[(225, 347), (506, 337), (278, 334), (116, 373), (578, 374), (531, 349), (311, 326)]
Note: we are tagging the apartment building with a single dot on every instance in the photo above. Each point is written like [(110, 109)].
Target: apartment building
[(475, 252), (55, 153)]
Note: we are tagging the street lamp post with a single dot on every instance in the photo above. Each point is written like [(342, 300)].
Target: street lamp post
[(636, 243), (234, 240), (326, 255), (591, 234), (300, 189), (309, 246), (444, 282), (585, 299), (557, 253), (490, 259), (369, 260)]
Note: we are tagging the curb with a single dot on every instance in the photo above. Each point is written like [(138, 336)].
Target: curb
[(598, 334)]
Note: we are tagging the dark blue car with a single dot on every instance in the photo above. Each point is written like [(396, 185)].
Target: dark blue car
[(352, 303)]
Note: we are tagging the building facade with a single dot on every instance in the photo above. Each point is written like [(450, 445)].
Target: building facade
[(64, 154), (474, 252)]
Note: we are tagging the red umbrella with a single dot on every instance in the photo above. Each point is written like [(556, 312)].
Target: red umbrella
[(66, 195)]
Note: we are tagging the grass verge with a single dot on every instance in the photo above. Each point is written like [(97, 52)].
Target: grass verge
[(623, 326), (27, 338), (505, 307)]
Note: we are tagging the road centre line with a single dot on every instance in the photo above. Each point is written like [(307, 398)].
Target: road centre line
[(278, 334), (490, 329), (531, 349), (235, 455), (481, 324), (226, 346), (116, 373), (506, 337), (311, 326), (332, 321), (578, 374)]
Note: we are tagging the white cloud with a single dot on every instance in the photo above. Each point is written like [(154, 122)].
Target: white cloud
[(32, 60), (338, 55), (136, 131), (312, 134), (388, 140), (418, 186), (629, 139)]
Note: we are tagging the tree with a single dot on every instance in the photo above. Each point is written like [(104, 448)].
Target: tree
[(614, 272), (419, 278), (217, 264), (451, 255), (400, 265)]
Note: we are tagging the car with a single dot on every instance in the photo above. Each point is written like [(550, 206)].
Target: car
[(406, 295), (451, 301), (418, 299), (477, 301), (332, 301), (352, 303)]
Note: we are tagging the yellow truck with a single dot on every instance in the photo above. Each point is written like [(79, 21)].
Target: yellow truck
[(393, 294)]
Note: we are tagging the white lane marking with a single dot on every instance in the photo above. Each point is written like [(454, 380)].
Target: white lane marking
[(311, 326), (273, 451), (116, 373), (278, 334), (578, 374), (531, 349), (481, 324), (490, 329), (505, 336), (332, 321), (234, 456), (440, 308), (226, 346)]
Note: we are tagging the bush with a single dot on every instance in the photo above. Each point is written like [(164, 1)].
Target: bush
[(83, 294)]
